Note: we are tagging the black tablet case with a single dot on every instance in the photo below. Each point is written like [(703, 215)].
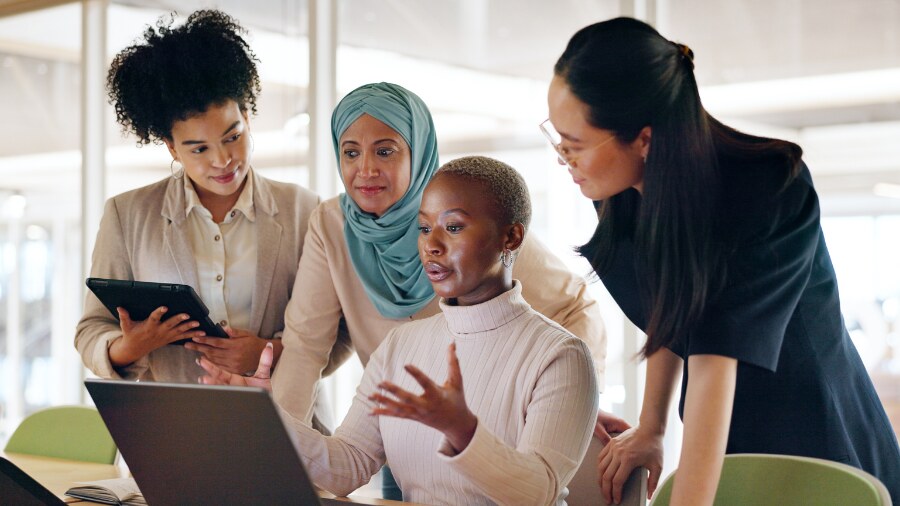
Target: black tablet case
[(140, 298)]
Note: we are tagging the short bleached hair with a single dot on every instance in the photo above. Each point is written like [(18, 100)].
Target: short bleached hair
[(502, 183)]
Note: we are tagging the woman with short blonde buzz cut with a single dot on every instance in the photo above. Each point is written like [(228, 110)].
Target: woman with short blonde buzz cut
[(488, 401)]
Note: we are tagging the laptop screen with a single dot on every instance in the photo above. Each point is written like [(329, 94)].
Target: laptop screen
[(199, 444)]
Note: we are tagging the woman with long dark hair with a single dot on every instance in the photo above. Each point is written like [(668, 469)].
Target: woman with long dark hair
[(709, 240)]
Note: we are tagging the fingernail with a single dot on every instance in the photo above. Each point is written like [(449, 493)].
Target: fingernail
[(197, 360), (269, 345)]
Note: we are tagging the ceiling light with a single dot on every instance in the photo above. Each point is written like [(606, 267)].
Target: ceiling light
[(889, 190)]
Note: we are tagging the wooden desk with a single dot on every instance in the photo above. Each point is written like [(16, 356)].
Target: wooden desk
[(60, 475)]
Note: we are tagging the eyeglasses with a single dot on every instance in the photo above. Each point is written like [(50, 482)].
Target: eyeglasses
[(555, 139)]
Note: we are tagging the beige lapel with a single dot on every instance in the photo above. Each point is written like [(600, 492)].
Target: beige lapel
[(175, 235), (268, 247)]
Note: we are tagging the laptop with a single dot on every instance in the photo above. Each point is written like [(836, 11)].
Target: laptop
[(584, 489), (198, 444), (17, 487)]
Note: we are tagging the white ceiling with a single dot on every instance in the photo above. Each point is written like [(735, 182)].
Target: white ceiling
[(823, 72)]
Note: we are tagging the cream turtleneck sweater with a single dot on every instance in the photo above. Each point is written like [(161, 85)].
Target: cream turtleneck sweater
[(530, 383)]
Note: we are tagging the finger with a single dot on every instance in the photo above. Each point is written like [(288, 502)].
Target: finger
[(264, 369), (181, 329), (400, 393), (214, 372), (606, 480), (603, 461), (454, 374), (422, 379), (201, 348), (157, 314), (236, 332), (212, 342), (653, 481), (385, 402), (173, 322), (124, 319), (600, 433), (618, 482)]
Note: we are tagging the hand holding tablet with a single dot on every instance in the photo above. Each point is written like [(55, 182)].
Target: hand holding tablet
[(150, 306)]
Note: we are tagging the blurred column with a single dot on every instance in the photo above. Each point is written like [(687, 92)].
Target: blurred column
[(13, 386), (645, 10), (93, 128), (322, 95), (65, 294)]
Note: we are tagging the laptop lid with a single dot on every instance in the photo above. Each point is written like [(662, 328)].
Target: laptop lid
[(199, 444), (17, 487)]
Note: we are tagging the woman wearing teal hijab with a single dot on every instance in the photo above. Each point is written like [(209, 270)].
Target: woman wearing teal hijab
[(383, 248), (359, 274)]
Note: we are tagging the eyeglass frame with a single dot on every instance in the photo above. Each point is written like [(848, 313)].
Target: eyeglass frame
[(557, 146)]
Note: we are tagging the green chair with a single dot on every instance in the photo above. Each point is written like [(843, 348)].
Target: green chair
[(65, 432), (751, 479)]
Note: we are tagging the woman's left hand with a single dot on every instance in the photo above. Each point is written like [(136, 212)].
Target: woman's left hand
[(237, 354), (442, 407)]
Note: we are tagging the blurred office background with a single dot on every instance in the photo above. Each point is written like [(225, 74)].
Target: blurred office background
[(824, 73)]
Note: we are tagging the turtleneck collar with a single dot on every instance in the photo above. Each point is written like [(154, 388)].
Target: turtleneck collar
[(486, 316)]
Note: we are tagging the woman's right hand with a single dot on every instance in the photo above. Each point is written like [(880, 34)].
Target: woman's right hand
[(141, 337), (215, 375), (633, 448)]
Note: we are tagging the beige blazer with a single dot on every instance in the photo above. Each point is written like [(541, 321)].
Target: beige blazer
[(143, 236)]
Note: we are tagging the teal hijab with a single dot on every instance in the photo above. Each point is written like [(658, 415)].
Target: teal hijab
[(384, 250)]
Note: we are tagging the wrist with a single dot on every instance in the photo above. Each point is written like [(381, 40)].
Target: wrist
[(461, 436), (652, 426), (122, 353)]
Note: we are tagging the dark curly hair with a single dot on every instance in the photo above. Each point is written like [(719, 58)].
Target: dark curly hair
[(171, 74)]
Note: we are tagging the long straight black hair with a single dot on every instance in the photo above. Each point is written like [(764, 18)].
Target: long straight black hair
[(631, 77)]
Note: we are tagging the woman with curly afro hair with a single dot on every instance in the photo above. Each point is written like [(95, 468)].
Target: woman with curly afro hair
[(215, 225)]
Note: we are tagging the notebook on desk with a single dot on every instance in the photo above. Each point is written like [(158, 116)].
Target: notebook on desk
[(198, 444)]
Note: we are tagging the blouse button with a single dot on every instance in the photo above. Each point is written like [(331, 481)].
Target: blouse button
[(233, 213), (223, 323), (219, 277), (217, 237)]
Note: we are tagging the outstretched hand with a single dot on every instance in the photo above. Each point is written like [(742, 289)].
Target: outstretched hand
[(215, 375), (442, 407)]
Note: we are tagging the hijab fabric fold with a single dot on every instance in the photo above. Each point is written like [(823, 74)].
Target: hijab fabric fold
[(384, 250)]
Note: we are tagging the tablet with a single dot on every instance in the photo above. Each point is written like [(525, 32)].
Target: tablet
[(140, 298)]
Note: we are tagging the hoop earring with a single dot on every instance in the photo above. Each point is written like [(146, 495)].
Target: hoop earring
[(506, 258), (173, 170), (252, 143)]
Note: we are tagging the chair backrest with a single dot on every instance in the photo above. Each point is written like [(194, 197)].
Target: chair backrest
[(584, 489), (65, 432), (752, 479)]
